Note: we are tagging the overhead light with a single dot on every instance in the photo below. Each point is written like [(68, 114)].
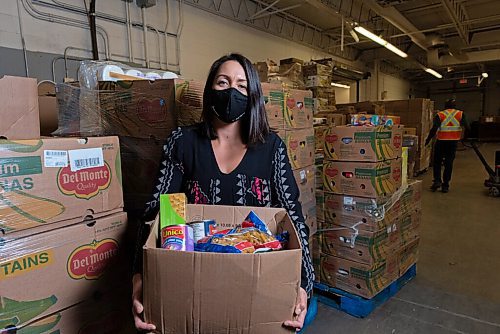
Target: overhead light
[(380, 40), (353, 33), (335, 84), (434, 73), (484, 75)]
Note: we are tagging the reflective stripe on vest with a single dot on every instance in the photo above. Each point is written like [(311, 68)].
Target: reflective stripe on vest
[(450, 128)]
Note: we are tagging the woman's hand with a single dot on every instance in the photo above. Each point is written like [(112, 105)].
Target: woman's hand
[(299, 314), (137, 307)]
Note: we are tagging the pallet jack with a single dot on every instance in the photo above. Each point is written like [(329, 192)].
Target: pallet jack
[(493, 183)]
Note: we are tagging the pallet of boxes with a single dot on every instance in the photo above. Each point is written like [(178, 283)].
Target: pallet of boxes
[(290, 113), (63, 225), (369, 239)]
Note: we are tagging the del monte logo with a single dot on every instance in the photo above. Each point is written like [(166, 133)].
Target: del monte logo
[(90, 261), (85, 183), (152, 111), (397, 141)]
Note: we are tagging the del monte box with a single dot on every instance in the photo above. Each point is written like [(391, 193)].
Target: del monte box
[(194, 292), (50, 180), (44, 273)]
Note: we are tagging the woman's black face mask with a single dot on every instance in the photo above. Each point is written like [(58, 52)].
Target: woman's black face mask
[(229, 105)]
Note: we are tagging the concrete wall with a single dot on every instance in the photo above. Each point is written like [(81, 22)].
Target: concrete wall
[(204, 38)]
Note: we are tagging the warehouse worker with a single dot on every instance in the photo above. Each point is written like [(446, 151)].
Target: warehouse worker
[(230, 158), (448, 126)]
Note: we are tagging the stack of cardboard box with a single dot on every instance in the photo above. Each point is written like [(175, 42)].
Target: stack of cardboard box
[(318, 78), (142, 113), (289, 112), (62, 220), (418, 114), (413, 113), (369, 237)]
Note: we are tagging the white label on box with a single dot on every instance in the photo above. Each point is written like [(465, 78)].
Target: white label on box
[(53, 158), (85, 158), (303, 176), (349, 201)]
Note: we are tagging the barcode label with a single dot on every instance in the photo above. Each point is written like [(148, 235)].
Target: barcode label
[(85, 158), (349, 200), (55, 158)]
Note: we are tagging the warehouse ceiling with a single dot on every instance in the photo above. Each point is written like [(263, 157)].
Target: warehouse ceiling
[(450, 36)]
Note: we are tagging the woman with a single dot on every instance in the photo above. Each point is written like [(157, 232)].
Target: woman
[(230, 158)]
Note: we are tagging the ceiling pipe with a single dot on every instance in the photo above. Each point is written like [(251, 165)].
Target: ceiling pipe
[(394, 17)]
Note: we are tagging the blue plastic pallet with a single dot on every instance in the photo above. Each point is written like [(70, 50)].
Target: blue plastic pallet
[(312, 311), (358, 306)]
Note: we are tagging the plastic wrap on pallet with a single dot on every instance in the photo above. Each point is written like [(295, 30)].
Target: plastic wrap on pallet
[(127, 108), (376, 210), (44, 273), (91, 72)]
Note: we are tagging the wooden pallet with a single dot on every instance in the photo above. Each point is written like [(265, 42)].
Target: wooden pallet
[(358, 306)]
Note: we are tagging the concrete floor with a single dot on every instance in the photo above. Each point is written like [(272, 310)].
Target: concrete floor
[(457, 287)]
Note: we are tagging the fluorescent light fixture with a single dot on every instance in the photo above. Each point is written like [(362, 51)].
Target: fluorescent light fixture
[(353, 33), (335, 84), (434, 73), (484, 75), (380, 40)]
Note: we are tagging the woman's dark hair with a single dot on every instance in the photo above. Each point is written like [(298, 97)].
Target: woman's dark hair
[(255, 126)]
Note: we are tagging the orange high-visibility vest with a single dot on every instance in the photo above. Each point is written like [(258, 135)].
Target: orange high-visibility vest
[(450, 128)]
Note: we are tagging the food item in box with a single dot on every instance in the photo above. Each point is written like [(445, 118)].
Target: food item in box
[(177, 237), (251, 235), (172, 209), (374, 120), (202, 228)]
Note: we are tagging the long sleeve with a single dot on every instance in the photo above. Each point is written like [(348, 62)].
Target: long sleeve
[(169, 180), (435, 126), (285, 194)]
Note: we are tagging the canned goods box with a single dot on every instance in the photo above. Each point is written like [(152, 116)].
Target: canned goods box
[(193, 292)]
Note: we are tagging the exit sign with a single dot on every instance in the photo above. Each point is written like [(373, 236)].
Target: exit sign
[(463, 81)]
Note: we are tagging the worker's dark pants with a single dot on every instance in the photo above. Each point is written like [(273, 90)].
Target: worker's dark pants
[(444, 150)]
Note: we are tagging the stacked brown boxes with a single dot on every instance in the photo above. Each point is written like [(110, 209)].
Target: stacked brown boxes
[(289, 112), (370, 230), (63, 225), (414, 113), (318, 78), (418, 114)]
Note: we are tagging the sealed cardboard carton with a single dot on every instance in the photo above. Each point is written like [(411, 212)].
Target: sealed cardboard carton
[(318, 81), (408, 256), (50, 180), (109, 313), (287, 108), (19, 108), (305, 178), (319, 137), (333, 119), (367, 179), (371, 214), (300, 146), (320, 207), (192, 292), (310, 216), (141, 109), (362, 143), (359, 245), (188, 101), (42, 274), (312, 68), (357, 278)]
